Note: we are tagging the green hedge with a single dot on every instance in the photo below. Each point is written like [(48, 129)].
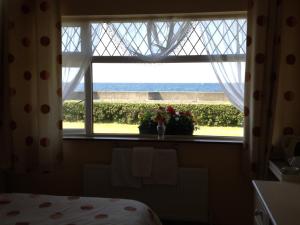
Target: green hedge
[(204, 114)]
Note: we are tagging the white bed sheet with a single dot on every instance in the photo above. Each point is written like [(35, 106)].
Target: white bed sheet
[(32, 209)]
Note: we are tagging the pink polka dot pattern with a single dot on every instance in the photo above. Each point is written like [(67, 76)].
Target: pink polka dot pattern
[(25, 9), (27, 108), (45, 142), (56, 215), (11, 58), (29, 141), (130, 208), (26, 42), (260, 20), (87, 207), (44, 75), (44, 6), (289, 96), (13, 213), (291, 21), (27, 75), (45, 108), (260, 58), (45, 41), (291, 59), (256, 131), (13, 125), (101, 216), (288, 131)]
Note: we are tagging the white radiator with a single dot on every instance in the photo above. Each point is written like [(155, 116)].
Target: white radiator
[(187, 201)]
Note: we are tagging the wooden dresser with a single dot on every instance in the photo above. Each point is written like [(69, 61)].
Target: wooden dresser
[(276, 203)]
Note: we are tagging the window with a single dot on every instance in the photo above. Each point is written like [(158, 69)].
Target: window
[(111, 70)]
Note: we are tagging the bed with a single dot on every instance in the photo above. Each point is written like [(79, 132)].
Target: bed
[(33, 209)]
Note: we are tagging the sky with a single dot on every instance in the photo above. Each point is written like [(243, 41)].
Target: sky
[(153, 73)]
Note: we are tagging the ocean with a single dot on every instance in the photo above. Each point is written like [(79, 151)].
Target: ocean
[(154, 87)]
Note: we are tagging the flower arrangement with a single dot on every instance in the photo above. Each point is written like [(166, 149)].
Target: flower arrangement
[(177, 123)]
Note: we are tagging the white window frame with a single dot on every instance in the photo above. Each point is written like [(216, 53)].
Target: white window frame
[(88, 77)]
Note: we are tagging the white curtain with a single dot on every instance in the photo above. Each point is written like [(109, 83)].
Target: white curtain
[(230, 73), (161, 38), (149, 41), (79, 44)]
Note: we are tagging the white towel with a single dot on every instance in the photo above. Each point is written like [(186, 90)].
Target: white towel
[(164, 167), (121, 175), (142, 158)]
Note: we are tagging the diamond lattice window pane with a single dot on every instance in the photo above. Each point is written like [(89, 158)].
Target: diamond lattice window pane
[(215, 36), (71, 41)]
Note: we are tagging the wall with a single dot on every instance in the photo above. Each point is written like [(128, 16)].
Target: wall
[(143, 96), (230, 195), (121, 7)]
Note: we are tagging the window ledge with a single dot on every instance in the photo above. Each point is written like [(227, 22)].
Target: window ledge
[(153, 138)]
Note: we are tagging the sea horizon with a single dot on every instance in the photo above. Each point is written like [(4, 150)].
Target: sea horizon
[(154, 87)]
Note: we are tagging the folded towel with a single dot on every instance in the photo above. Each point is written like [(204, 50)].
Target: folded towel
[(142, 161), (164, 167), (121, 175)]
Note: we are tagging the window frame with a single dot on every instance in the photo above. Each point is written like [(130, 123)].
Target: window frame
[(88, 130)]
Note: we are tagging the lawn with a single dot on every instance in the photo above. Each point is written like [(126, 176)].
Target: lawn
[(116, 128)]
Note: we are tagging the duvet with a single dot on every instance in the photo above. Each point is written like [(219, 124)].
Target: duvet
[(33, 209)]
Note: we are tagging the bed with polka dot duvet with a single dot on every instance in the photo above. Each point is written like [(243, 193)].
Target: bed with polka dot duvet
[(34, 209)]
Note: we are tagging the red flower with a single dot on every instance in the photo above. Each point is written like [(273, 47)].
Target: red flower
[(170, 110)]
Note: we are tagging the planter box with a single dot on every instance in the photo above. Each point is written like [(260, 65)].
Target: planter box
[(151, 128)]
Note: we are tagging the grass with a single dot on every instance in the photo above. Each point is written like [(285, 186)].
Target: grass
[(116, 128)]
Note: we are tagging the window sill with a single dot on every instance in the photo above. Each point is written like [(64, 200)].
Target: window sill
[(153, 138)]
